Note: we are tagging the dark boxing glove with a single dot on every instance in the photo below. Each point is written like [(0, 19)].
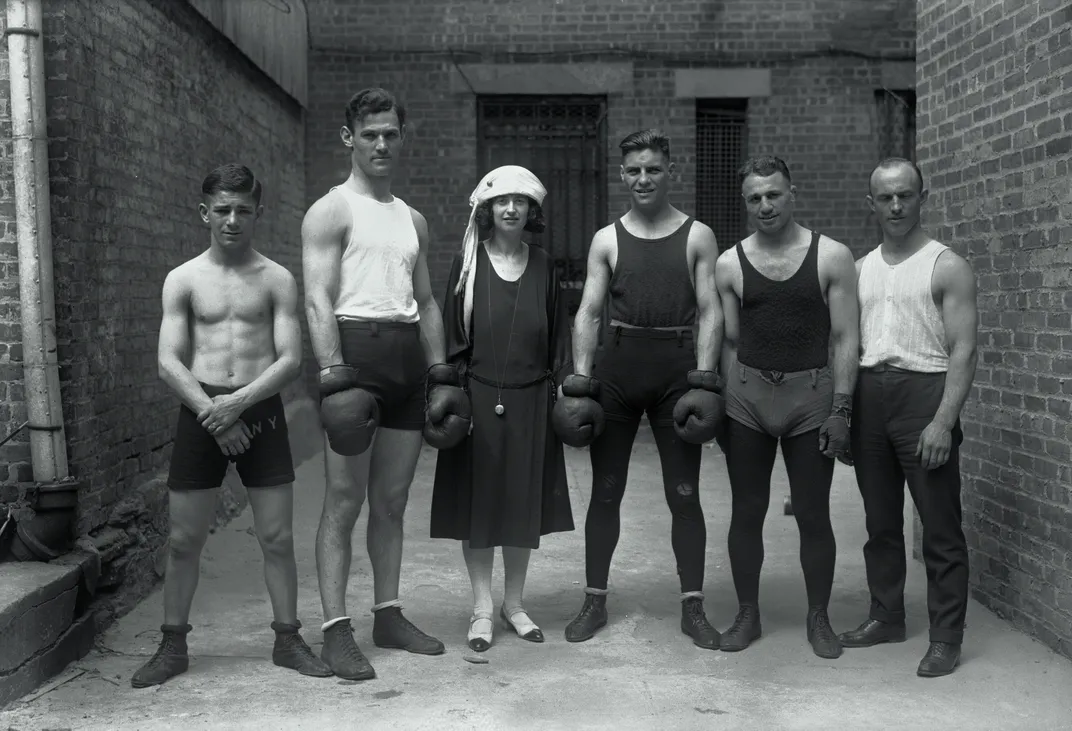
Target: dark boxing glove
[(348, 414), (448, 413), (834, 433), (577, 417), (698, 413)]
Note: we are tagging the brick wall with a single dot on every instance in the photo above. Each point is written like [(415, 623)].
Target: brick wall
[(819, 116), (995, 141), (145, 97)]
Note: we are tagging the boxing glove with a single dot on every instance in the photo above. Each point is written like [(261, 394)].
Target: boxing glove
[(577, 417), (699, 412), (448, 413), (348, 414)]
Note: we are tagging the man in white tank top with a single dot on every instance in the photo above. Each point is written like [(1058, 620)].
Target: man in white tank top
[(918, 321), (372, 316)]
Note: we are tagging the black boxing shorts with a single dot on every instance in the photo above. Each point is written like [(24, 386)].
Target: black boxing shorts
[(644, 370), (198, 463), (390, 365), (779, 404)]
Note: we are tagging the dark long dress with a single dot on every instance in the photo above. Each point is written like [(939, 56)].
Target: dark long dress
[(505, 485)]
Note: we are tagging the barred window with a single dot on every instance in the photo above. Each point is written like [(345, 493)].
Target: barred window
[(721, 148), (563, 140)]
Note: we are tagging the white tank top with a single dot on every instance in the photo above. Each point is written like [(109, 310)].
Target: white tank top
[(900, 325), (376, 279)]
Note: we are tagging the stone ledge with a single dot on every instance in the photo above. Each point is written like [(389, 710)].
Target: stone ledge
[(74, 644), (37, 606)]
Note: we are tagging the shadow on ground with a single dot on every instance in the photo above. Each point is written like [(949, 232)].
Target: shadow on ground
[(640, 672)]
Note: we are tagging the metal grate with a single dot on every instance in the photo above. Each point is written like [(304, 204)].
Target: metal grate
[(896, 117), (896, 123), (721, 147), (563, 140)]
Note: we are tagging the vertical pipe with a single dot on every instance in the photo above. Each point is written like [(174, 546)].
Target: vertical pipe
[(37, 295)]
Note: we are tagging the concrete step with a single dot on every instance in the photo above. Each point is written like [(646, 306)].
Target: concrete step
[(40, 627)]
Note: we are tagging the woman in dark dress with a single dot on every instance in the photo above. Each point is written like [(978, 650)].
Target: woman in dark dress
[(505, 485)]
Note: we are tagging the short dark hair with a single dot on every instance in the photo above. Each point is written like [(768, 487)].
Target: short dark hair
[(646, 139), (763, 166), (232, 178), (373, 101), (894, 162), (535, 222)]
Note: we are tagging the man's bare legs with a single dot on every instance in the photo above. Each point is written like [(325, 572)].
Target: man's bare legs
[(273, 520), (346, 482), (394, 462), (190, 513), (384, 472)]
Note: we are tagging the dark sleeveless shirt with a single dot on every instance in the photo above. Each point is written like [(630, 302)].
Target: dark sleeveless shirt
[(784, 326), (651, 285)]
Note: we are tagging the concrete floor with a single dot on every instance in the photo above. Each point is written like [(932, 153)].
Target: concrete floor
[(640, 672)]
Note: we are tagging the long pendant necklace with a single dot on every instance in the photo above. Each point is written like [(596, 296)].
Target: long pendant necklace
[(499, 408)]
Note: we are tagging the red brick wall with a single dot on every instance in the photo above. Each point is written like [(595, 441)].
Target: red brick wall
[(995, 120), (144, 99), (819, 117)]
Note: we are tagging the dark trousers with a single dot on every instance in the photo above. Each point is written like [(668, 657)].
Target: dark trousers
[(891, 409)]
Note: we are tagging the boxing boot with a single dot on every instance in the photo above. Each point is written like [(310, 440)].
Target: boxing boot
[(592, 616), (171, 658), (694, 624), (824, 642), (291, 652), (347, 413), (699, 412), (577, 417), (745, 630), (448, 414)]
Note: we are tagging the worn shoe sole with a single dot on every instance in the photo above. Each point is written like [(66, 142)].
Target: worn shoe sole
[(925, 673), (588, 635), (312, 672), (698, 643), (135, 683), (438, 650), (832, 655), (891, 638), (738, 646)]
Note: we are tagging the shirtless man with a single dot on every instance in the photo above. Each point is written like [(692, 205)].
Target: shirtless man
[(789, 357), (377, 333), (230, 341), (657, 266)]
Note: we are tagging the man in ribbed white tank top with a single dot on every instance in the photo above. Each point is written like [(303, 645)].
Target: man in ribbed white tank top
[(918, 321), (371, 312)]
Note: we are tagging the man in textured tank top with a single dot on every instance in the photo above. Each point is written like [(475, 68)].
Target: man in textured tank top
[(789, 303), (918, 329), (657, 265), (377, 332)]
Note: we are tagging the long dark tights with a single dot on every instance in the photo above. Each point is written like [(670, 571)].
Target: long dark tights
[(810, 475), (681, 476)]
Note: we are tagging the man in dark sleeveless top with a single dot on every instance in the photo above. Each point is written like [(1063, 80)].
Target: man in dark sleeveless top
[(657, 265), (788, 300)]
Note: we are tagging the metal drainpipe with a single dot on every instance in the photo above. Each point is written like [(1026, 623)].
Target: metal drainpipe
[(29, 134)]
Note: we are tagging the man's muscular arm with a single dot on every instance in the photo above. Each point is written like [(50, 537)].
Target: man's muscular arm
[(955, 284), (590, 312), (433, 338), (323, 232), (730, 307), (844, 307), (708, 303), (173, 347)]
